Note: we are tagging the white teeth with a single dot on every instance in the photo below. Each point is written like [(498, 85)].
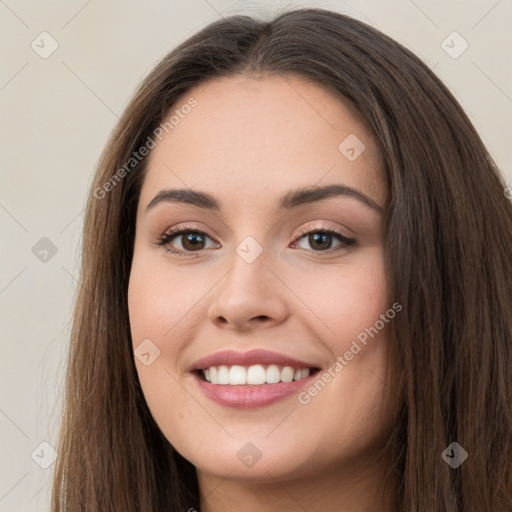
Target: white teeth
[(237, 375), (223, 375), (287, 374), (254, 375), (273, 374)]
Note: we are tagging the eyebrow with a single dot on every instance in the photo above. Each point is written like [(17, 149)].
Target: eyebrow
[(290, 200)]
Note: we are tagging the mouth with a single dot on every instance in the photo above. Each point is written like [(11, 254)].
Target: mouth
[(253, 379)]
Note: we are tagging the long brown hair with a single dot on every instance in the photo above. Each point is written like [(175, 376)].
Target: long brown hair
[(448, 232)]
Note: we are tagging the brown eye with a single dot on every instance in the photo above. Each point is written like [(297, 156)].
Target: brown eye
[(191, 240), (321, 240)]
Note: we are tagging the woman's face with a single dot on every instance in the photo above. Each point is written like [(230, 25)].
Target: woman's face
[(259, 286)]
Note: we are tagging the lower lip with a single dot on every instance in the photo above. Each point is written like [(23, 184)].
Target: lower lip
[(247, 397)]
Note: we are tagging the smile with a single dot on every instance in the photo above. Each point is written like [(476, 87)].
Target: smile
[(257, 378), (254, 375)]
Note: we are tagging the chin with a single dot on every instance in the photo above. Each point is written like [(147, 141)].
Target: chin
[(258, 460)]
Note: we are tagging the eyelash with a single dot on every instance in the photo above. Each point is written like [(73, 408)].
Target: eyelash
[(172, 233)]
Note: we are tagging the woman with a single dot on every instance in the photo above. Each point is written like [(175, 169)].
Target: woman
[(267, 372)]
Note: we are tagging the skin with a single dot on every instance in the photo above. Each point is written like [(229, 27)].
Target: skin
[(248, 142)]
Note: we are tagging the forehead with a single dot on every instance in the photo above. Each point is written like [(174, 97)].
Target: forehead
[(249, 139)]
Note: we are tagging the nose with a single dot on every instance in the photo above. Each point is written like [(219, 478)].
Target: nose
[(249, 296)]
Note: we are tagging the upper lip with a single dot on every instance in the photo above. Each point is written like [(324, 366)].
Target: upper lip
[(257, 356)]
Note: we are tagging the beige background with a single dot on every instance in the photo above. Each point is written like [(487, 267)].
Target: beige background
[(56, 115)]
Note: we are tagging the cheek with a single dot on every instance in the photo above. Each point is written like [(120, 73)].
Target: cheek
[(158, 302), (159, 298), (346, 305), (345, 299)]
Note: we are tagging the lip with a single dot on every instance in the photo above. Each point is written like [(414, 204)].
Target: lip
[(249, 396), (256, 356)]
